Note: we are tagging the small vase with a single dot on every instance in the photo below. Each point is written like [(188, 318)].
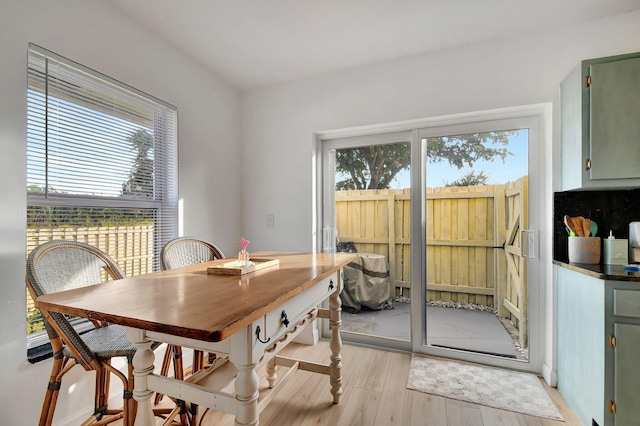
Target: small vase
[(243, 258)]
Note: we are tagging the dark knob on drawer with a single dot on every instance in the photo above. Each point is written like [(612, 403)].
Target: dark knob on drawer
[(285, 320), (330, 284)]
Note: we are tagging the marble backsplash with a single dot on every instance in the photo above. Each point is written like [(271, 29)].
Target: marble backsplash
[(611, 210)]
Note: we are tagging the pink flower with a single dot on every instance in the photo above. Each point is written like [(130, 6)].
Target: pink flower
[(243, 244)]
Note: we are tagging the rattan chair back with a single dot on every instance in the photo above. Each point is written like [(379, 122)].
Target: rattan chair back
[(186, 251), (63, 265)]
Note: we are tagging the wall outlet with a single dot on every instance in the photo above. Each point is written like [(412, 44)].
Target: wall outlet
[(269, 224)]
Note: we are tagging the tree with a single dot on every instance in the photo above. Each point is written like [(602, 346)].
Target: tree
[(375, 167), (372, 167), (140, 183), (470, 178)]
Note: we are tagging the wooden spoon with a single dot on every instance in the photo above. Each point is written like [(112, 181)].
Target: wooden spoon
[(573, 225), (578, 224), (586, 226), (568, 224), (579, 221)]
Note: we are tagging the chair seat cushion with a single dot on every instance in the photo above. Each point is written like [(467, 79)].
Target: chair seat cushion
[(108, 342)]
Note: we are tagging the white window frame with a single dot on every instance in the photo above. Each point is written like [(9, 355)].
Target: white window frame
[(164, 201)]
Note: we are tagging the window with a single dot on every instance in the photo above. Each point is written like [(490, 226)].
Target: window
[(101, 167)]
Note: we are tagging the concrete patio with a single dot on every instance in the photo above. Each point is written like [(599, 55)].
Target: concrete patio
[(476, 331)]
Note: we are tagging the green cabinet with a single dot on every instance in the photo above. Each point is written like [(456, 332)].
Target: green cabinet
[(599, 347), (625, 344), (600, 125)]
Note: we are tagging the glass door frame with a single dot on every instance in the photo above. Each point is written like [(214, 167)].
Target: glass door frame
[(540, 295), (326, 147), (481, 122)]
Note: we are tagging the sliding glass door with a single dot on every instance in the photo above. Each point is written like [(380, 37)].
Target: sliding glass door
[(454, 223), (476, 211), (367, 211)]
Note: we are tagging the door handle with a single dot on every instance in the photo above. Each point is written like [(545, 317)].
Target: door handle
[(529, 243)]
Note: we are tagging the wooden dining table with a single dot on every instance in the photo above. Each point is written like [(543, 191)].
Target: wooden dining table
[(248, 316)]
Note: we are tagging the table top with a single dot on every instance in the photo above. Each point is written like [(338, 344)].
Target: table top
[(189, 302)]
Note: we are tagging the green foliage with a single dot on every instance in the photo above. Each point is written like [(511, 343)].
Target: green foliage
[(140, 183), (62, 217), (467, 149), (35, 320), (375, 167), (372, 167), (470, 179)]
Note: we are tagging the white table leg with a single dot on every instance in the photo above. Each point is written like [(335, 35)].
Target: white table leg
[(245, 358), (142, 367), (272, 374), (247, 395), (335, 319)]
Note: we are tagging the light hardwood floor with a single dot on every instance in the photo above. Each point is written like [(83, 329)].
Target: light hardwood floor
[(375, 393)]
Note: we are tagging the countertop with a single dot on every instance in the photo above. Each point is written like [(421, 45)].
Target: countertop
[(603, 272)]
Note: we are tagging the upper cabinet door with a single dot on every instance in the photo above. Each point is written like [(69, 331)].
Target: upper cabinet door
[(614, 97), (600, 119)]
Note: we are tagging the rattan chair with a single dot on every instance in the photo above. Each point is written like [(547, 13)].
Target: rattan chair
[(178, 253), (62, 265), (186, 251)]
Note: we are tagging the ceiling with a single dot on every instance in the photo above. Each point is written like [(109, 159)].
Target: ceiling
[(253, 43)]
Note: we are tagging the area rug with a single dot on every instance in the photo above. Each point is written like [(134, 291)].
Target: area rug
[(479, 384)]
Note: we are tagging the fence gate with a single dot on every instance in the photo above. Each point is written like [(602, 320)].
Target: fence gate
[(514, 299)]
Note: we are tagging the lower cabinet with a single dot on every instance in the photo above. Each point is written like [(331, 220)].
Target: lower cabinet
[(626, 356), (599, 348)]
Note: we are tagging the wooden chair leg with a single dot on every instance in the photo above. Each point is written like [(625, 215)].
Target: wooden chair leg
[(164, 370), (178, 366), (128, 401), (198, 361), (53, 390), (193, 409), (102, 391)]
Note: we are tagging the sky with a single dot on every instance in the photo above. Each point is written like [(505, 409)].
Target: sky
[(497, 172)]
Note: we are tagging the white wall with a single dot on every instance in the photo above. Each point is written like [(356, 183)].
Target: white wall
[(278, 121), (96, 35), (275, 163)]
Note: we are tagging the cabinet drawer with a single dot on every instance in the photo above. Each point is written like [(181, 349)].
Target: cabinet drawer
[(626, 303), (299, 306)]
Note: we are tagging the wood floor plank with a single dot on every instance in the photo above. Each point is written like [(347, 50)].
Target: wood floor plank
[(427, 410), (570, 418), (352, 369), (376, 364), (493, 416), (361, 408), (395, 407), (374, 383), (291, 404), (463, 413)]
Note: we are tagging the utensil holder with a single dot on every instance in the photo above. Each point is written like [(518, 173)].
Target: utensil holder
[(584, 250)]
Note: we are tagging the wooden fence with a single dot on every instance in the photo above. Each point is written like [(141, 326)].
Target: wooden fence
[(132, 247), (465, 238)]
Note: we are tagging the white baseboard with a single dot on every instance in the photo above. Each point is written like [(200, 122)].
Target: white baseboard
[(550, 375)]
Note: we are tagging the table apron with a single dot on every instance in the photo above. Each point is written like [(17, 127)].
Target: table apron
[(271, 325)]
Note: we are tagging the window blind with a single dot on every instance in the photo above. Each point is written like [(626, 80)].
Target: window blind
[(101, 165)]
